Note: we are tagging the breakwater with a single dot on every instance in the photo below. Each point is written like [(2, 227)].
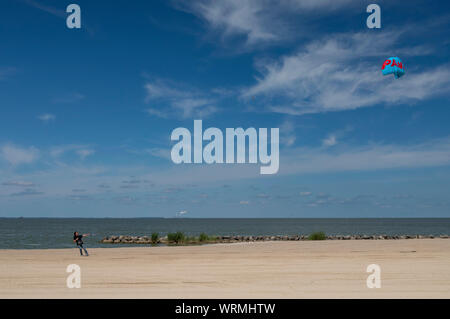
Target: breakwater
[(124, 239)]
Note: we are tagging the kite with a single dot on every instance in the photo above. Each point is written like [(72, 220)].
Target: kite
[(393, 66)]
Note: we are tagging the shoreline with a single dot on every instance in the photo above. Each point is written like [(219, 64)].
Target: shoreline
[(128, 242), (127, 245), (279, 269)]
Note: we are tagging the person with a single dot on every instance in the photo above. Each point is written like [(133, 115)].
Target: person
[(78, 239)]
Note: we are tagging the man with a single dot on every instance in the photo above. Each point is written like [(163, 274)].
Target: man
[(78, 239)]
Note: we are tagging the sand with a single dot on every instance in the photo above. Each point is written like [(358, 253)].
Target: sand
[(416, 268)]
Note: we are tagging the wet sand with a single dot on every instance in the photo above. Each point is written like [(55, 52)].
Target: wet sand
[(415, 268)]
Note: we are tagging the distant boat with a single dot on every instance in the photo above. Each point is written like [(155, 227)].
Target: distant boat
[(181, 214)]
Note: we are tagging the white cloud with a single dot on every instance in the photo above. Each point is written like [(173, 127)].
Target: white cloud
[(54, 11), (343, 72), (367, 157), (158, 113), (237, 17), (18, 183), (83, 153), (305, 194), (17, 155), (174, 101), (318, 160), (27, 192), (330, 140), (159, 152), (61, 179), (69, 98), (47, 117), (287, 131), (260, 21), (60, 150)]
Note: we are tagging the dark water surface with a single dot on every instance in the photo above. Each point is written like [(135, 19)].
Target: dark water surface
[(29, 233)]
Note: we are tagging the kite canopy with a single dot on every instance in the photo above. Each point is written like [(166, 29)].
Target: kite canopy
[(394, 66)]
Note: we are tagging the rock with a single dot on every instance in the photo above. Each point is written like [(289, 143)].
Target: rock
[(126, 239)]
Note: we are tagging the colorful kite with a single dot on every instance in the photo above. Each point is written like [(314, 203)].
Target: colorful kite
[(394, 66)]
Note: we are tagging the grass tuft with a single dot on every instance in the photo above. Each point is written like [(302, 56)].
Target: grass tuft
[(155, 238), (317, 236), (203, 237), (177, 237)]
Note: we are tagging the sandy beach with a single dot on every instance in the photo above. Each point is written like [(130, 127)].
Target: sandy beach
[(417, 268)]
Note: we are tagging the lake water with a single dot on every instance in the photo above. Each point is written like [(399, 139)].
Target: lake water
[(39, 233)]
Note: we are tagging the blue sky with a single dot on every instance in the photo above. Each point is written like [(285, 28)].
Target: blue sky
[(86, 115)]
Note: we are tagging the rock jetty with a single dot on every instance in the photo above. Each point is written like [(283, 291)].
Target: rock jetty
[(236, 239)]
